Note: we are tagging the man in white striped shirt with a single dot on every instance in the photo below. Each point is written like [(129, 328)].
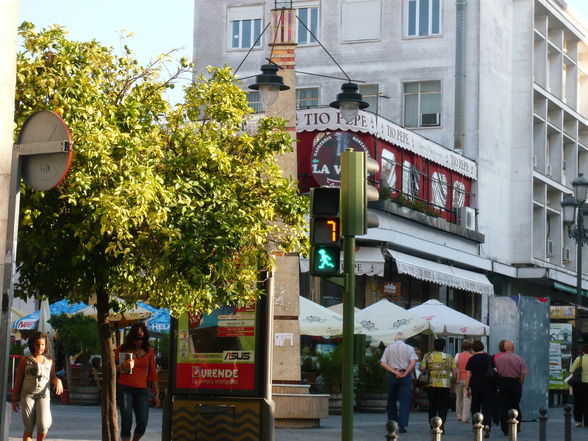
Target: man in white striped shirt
[(399, 360)]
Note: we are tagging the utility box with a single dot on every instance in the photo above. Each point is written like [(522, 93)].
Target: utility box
[(525, 321)]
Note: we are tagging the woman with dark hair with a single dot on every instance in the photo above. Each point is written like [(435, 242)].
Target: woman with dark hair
[(135, 362), (34, 375), (442, 370), (481, 388)]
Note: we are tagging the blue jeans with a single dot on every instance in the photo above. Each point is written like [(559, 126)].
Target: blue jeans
[(133, 399), (399, 389)]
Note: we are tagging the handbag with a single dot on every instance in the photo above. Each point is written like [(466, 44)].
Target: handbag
[(423, 379), (576, 376)]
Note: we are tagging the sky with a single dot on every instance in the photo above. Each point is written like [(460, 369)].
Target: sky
[(158, 26)]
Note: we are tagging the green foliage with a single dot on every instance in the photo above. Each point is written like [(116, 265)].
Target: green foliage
[(402, 199), (371, 375), (157, 206), (330, 370), (16, 349), (75, 334)]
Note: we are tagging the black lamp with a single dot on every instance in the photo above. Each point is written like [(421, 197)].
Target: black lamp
[(580, 185), (269, 83), (569, 205), (349, 102)]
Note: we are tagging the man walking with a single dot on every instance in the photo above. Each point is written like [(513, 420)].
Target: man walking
[(511, 370), (399, 360)]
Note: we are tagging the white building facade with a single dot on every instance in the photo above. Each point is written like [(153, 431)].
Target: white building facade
[(502, 83)]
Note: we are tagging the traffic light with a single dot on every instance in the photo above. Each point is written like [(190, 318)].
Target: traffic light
[(325, 232), (357, 192)]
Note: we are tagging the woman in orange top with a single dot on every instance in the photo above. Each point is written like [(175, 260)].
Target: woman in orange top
[(135, 365)]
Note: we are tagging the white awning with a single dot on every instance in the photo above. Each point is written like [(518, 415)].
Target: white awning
[(441, 274), (368, 261)]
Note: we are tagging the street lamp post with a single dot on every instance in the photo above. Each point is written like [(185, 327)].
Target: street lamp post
[(349, 101), (573, 211)]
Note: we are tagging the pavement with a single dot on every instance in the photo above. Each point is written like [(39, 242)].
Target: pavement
[(83, 423)]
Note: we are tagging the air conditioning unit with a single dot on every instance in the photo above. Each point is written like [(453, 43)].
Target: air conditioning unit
[(430, 119), (566, 254), (549, 248), (466, 217), (535, 161), (548, 170)]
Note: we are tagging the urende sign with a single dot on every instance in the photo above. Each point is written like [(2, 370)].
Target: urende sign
[(217, 352)]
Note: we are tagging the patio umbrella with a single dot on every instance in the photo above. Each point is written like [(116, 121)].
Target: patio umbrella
[(160, 321), (124, 318), (44, 316), (31, 321), (338, 308), (320, 321), (384, 320), (447, 321)]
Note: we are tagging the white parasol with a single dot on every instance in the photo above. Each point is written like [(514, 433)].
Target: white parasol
[(447, 321), (384, 321), (320, 321)]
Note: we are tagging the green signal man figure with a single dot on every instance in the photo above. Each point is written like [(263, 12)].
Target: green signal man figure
[(326, 260)]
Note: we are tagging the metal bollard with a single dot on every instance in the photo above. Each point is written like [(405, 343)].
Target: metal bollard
[(543, 424), (568, 422), (392, 428), (436, 428), (512, 424), (477, 420)]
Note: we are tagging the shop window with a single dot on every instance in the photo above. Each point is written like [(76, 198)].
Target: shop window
[(423, 18), (459, 193), (410, 180), (422, 104), (388, 175), (244, 27), (439, 190)]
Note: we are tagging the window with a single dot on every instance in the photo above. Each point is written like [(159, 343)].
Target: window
[(369, 93), (388, 175), (244, 27), (422, 104), (439, 190), (423, 17), (254, 101), (361, 20), (459, 193), (307, 98), (410, 180), (310, 17)]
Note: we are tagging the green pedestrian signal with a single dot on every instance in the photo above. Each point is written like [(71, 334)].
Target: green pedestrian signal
[(325, 232), (326, 260)]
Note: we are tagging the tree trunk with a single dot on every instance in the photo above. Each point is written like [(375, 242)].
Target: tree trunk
[(108, 396)]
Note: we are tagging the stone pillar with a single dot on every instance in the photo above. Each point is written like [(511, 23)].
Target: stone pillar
[(294, 406)]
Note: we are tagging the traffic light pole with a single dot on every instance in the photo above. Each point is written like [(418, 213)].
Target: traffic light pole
[(348, 330)]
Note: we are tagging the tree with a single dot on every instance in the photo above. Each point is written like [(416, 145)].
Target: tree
[(174, 207)]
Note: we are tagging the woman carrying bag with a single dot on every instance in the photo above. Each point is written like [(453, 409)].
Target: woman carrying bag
[(482, 384), (442, 370), (579, 383)]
